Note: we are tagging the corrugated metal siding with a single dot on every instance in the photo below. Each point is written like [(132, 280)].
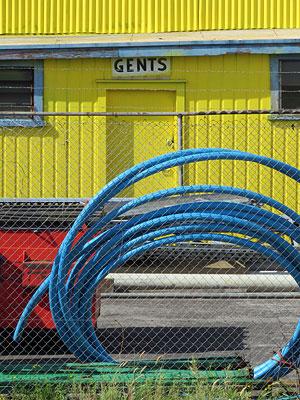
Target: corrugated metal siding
[(144, 16), (68, 157)]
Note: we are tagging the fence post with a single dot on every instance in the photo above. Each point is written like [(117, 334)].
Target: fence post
[(180, 147)]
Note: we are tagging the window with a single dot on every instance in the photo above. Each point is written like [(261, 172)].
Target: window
[(285, 85), (289, 84), (16, 89), (21, 89)]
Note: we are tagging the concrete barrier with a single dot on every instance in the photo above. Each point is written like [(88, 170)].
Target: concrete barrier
[(253, 282)]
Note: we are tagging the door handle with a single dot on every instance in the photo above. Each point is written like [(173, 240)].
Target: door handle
[(170, 142)]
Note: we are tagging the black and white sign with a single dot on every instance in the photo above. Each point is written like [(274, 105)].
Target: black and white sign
[(140, 66)]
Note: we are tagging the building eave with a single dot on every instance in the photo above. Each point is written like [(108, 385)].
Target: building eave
[(213, 43)]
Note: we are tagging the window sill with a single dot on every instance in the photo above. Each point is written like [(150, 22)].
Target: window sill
[(284, 117), (23, 123)]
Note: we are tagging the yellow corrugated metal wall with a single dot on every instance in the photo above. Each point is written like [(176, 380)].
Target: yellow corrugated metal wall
[(30, 17), (67, 157)]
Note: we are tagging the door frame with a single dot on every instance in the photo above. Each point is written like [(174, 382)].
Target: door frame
[(177, 86)]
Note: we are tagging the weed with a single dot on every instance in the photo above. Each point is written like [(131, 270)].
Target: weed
[(147, 390)]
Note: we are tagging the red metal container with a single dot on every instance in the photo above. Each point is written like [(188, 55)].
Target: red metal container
[(30, 235)]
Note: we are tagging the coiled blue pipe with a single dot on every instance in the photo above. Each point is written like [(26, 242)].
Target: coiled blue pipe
[(80, 266)]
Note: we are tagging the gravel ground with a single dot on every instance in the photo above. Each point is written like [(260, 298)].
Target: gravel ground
[(253, 328)]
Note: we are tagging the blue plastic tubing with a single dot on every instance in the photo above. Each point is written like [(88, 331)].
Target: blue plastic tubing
[(81, 265)]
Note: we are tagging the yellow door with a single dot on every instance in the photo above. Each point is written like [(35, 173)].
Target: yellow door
[(131, 140)]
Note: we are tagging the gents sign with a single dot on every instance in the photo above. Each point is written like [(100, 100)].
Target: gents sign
[(140, 66)]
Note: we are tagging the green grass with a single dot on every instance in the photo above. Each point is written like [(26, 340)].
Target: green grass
[(158, 390)]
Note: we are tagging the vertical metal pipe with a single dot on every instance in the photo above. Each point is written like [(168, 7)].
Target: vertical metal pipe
[(180, 147)]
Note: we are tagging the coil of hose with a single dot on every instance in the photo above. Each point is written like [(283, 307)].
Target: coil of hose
[(81, 265)]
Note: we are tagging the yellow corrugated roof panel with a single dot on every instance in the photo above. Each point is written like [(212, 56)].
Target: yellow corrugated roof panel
[(31, 17)]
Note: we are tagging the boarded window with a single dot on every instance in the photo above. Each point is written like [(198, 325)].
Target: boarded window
[(16, 89), (290, 85)]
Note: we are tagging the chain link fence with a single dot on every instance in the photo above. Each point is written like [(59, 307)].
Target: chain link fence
[(191, 299)]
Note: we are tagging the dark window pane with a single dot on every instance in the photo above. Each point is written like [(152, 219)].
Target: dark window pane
[(15, 74), (16, 89), (290, 84)]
